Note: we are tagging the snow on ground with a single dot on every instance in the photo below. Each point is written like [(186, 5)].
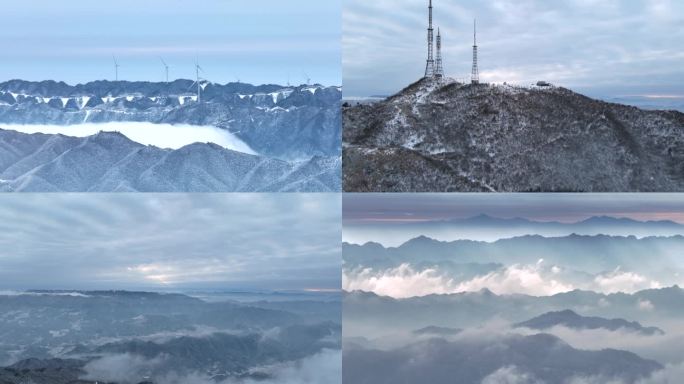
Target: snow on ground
[(160, 135), (412, 141)]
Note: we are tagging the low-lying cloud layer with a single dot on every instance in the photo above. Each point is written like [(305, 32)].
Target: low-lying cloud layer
[(538, 279), (323, 367), (172, 136)]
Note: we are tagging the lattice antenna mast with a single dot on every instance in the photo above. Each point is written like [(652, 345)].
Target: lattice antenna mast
[(439, 70), (475, 77), (430, 66)]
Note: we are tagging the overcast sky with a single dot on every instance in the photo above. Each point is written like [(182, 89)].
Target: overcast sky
[(401, 208), (601, 47), (257, 41), (170, 241)]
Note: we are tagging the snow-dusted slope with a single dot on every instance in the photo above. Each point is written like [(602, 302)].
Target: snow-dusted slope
[(454, 137), (287, 122), (111, 162)]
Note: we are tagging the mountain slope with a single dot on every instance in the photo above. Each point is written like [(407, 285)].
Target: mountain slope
[(108, 162), (454, 137), (544, 357), (290, 122)]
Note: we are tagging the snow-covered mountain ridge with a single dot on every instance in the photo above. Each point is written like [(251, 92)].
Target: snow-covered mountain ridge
[(287, 122)]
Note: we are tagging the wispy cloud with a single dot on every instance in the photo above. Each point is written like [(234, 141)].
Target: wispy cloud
[(169, 241)]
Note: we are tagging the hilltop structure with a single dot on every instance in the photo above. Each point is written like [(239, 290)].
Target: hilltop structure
[(430, 65), (434, 67), (475, 76), (439, 69)]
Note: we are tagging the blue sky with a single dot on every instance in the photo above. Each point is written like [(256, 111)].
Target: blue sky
[(610, 47), (170, 241), (256, 41)]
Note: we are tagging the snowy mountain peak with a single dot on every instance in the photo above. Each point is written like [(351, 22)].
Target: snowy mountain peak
[(440, 137)]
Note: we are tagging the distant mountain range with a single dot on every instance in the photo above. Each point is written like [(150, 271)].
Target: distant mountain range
[(570, 319), (286, 122), (590, 254), (110, 162), (517, 226), (591, 222), (444, 136)]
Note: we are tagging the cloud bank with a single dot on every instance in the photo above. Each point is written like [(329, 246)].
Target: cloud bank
[(538, 279)]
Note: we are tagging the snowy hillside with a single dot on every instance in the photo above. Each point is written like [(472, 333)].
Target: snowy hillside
[(110, 161), (449, 136)]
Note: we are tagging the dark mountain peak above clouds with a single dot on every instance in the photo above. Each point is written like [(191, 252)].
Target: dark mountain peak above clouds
[(421, 240), (572, 320), (443, 137), (369, 244), (437, 331), (110, 162)]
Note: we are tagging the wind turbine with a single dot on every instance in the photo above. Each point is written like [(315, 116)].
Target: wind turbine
[(308, 79), (166, 67), (197, 80), (116, 68)]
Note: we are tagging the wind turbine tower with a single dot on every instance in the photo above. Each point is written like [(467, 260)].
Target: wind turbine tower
[(430, 65), (475, 77), (197, 72), (439, 70), (116, 69), (166, 68)]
